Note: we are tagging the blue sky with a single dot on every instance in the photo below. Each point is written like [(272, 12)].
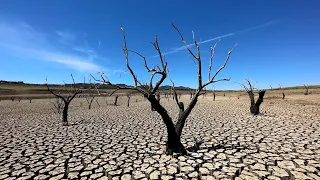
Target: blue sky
[(278, 41)]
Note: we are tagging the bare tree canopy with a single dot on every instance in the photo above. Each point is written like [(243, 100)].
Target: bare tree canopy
[(71, 94), (151, 90)]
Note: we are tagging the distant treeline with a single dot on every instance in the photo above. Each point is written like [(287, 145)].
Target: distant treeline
[(11, 82)]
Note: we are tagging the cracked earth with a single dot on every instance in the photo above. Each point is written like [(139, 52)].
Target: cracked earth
[(119, 142)]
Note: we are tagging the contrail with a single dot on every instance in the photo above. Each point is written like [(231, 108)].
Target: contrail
[(219, 37)]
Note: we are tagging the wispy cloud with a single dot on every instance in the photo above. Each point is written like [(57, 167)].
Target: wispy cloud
[(175, 50), (66, 35), (21, 39)]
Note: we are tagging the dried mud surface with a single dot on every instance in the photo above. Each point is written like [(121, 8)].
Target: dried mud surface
[(119, 142)]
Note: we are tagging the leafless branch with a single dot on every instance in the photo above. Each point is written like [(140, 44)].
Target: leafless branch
[(184, 42), (174, 91), (212, 52)]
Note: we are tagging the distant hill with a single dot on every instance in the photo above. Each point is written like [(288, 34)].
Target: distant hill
[(15, 85), (21, 84)]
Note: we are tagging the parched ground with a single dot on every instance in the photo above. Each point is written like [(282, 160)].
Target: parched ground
[(119, 142)]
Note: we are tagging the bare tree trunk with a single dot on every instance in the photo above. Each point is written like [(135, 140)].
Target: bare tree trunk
[(90, 102), (116, 100), (255, 106), (128, 102), (283, 95), (183, 116), (307, 90), (214, 96), (173, 142), (65, 113)]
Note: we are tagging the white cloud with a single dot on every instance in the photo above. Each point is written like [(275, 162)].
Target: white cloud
[(21, 39)]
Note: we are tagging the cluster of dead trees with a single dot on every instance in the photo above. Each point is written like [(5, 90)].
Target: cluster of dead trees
[(151, 92)]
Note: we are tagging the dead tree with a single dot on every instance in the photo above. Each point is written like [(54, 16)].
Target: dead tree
[(214, 93), (307, 89), (255, 105), (71, 94), (150, 92), (191, 93), (90, 98), (280, 87), (30, 99), (204, 93), (129, 97), (90, 93), (116, 100)]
